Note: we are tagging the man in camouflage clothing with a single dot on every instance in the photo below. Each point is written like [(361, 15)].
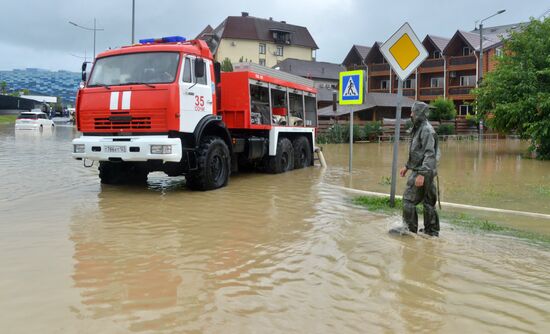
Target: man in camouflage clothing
[(423, 157)]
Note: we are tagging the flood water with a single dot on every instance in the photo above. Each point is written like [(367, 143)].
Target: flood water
[(269, 253)]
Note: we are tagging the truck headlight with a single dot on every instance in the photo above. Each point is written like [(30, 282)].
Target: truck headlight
[(79, 148), (161, 149)]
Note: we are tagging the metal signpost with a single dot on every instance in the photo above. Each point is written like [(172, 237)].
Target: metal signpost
[(351, 90), (404, 52)]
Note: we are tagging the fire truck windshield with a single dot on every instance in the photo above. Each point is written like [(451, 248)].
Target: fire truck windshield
[(135, 68)]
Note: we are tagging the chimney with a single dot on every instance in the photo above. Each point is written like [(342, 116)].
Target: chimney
[(283, 22), (244, 14), (270, 18)]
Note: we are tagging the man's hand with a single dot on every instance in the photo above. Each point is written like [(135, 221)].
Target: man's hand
[(403, 172), (419, 182)]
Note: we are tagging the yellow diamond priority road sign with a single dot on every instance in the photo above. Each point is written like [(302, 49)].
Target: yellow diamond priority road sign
[(404, 51)]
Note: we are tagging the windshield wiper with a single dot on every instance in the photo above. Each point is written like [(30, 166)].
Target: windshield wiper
[(100, 85), (139, 83)]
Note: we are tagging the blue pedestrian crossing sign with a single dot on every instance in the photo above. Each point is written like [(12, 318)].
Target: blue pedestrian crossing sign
[(351, 87)]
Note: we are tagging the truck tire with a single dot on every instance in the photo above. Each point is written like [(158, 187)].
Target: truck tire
[(302, 152), (214, 165), (116, 173), (283, 161)]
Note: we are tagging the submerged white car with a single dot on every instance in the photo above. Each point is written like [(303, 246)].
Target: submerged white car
[(33, 120)]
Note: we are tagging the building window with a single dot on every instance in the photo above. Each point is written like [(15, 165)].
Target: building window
[(466, 51), (279, 52), (468, 80), (499, 52), (409, 83), (436, 82), (465, 109), (384, 84), (262, 48), (262, 62), (437, 54)]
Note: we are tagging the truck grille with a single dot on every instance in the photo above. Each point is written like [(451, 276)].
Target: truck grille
[(122, 122)]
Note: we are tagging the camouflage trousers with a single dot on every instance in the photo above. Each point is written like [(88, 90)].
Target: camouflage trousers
[(427, 195)]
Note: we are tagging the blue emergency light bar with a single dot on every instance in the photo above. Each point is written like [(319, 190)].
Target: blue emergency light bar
[(168, 39)]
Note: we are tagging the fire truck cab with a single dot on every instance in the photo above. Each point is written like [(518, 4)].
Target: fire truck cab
[(164, 105)]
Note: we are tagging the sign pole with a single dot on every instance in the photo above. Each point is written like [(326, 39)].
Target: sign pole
[(396, 141), (350, 139)]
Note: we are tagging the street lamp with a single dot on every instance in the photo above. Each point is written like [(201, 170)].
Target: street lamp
[(481, 42), (94, 29)]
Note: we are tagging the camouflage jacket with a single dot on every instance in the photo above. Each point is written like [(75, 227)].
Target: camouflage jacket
[(423, 149)]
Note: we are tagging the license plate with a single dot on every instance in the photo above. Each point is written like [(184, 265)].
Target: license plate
[(115, 149)]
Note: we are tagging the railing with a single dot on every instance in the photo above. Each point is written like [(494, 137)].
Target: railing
[(429, 63), (431, 91), (460, 90), (379, 67), (378, 90), (462, 60), (356, 67)]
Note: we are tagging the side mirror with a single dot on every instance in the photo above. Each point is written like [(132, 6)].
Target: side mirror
[(84, 65), (199, 68), (85, 71)]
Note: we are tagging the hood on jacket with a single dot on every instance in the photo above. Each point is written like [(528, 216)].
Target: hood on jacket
[(420, 110)]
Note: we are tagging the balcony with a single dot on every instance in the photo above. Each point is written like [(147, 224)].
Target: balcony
[(459, 63), (431, 91), (430, 63), (461, 91), (378, 90), (406, 91), (379, 69)]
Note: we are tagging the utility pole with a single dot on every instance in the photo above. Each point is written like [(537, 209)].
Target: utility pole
[(481, 44), (133, 19)]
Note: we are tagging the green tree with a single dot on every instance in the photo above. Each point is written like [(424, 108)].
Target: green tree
[(226, 65), (515, 97), (4, 87), (443, 109)]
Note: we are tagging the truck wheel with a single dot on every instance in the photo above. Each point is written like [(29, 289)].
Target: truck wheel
[(284, 160), (214, 163), (121, 173), (302, 152), (111, 173)]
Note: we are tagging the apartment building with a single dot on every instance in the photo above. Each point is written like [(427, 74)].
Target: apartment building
[(262, 41), (451, 70)]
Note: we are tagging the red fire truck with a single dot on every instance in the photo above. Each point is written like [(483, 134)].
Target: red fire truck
[(164, 105)]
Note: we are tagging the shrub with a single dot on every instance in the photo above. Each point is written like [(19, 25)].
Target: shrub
[(472, 120), (373, 130), (446, 129), (443, 109)]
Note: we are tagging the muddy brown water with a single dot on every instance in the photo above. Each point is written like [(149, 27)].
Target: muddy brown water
[(267, 254)]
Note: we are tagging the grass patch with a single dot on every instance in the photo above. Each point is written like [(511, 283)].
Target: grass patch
[(460, 220), (6, 119), (379, 204)]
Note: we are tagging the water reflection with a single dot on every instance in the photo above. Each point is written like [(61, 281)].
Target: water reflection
[(269, 253)]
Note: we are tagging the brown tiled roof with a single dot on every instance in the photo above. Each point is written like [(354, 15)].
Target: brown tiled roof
[(473, 39), (254, 28), (207, 30), (439, 42), (311, 69), (360, 50)]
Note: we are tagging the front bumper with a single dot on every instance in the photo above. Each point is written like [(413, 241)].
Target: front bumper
[(133, 148)]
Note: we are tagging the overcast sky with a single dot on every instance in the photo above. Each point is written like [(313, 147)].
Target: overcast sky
[(36, 33)]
